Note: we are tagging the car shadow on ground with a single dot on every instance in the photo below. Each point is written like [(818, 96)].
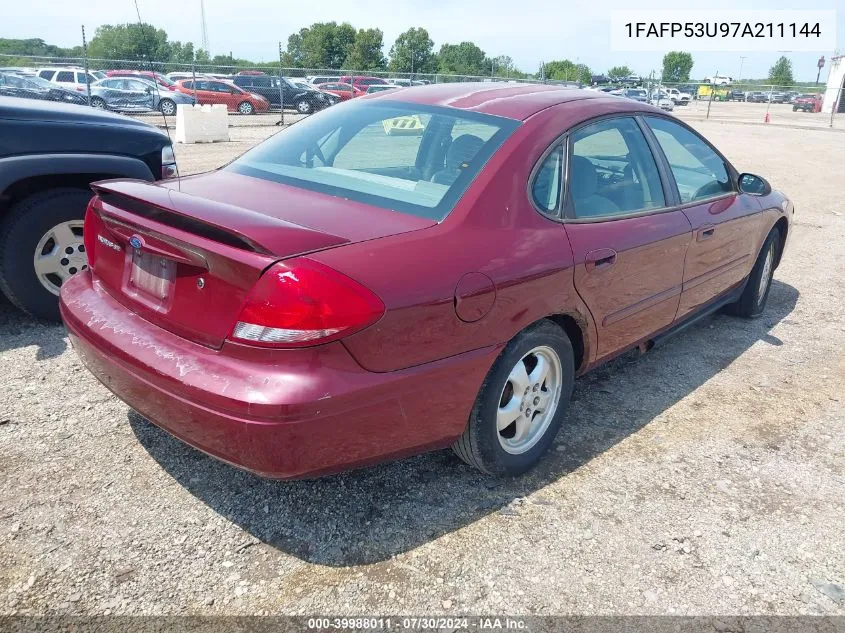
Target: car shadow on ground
[(369, 515), (22, 330)]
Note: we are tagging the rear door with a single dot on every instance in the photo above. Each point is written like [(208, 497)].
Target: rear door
[(725, 224), (205, 95), (627, 240), (224, 94)]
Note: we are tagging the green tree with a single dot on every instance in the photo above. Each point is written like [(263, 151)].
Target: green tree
[(413, 52), (502, 66), (129, 41), (565, 70), (321, 45), (36, 47), (676, 66), (182, 53), (366, 51), (465, 58), (617, 73), (781, 73)]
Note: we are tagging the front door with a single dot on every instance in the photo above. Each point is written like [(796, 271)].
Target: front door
[(628, 248), (725, 225)]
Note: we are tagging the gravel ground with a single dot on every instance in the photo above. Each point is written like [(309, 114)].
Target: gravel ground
[(706, 477)]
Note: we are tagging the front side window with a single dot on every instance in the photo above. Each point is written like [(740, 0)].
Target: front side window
[(410, 158), (698, 170), (612, 170)]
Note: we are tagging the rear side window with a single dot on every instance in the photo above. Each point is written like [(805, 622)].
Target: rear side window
[(47, 74), (65, 76), (545, 189), (698, 170), (612, 170)]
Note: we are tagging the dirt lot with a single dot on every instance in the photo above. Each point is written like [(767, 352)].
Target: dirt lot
[(707, 477)]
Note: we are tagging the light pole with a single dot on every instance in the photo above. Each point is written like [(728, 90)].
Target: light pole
[(741, 62), (820, 65)]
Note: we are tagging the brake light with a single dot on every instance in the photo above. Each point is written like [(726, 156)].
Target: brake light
[(302, 302), (89, 232)]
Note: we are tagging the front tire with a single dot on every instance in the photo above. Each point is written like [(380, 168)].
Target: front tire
[(41, 246), (753, 300), (98, 103), (246, 108), (303, 106), (521, 404)]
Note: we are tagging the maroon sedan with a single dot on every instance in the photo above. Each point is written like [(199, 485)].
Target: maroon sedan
[(341, 295)]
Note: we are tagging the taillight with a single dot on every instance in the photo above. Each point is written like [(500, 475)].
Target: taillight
[(89, 232), (302, 302)]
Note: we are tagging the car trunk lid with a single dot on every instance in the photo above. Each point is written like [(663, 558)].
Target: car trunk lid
[(187, 263)]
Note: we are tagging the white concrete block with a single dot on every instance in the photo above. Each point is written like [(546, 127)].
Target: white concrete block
[(201, 123)]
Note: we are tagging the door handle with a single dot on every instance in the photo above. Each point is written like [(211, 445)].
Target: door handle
[(600, 259), (706, 232)]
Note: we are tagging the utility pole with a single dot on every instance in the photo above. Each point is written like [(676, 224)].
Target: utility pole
[(741, 62), (820, 65)]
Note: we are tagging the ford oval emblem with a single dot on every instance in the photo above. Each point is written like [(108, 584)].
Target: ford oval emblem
[(136, 241)]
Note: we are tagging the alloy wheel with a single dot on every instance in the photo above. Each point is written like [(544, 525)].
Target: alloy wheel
[(529, 400)]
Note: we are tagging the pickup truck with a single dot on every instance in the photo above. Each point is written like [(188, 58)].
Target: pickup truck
[(678, 97), (50, 153)]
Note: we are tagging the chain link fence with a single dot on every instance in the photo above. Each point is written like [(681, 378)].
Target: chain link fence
[(133, 87)]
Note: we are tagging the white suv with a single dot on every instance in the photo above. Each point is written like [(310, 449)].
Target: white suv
[(71, 78), (678, 97)]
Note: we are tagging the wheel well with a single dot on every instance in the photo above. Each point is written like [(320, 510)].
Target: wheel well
[(576, 336), (21, 189), (783, 227)]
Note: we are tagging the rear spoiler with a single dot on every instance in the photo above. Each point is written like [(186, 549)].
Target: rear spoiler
[(258, 232)]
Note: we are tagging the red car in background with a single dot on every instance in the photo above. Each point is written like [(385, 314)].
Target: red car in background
[(211, 91), (362, 81), (158, 78), (344, 91), (807, 103), (341, 295)]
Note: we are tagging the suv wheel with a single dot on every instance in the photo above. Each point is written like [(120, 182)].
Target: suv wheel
[(246, 108), (41, 247), (303, 106), (167, 107)]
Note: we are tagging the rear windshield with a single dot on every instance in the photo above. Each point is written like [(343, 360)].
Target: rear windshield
[(406, 157)]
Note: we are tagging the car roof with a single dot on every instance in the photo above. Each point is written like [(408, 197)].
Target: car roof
[(515, 101)]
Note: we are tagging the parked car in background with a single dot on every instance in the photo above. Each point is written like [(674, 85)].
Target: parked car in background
[(792, 95), (213, 91), (321, 79), (718, 80), (174, 77), (736, 95), (755, 96), (362, 81), (163, 82), (777, 96), (127, 94), (678, 97), (49, 155), (18, 70), (299, 283), (807, 103), (662, 101), (344, 92), (380, 88), (70, 78), (33, 87), (302, 98), (256, 73), (635, 94)]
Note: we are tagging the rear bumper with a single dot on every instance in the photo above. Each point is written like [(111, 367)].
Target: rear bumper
[(278, 413)]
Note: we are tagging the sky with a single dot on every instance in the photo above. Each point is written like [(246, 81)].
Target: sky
[(529, 31)]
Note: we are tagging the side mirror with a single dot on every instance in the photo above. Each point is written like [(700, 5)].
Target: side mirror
[(754, 185)]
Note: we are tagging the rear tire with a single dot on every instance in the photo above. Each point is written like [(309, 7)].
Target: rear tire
[(753, 300), (492, 445), (23, 229)]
